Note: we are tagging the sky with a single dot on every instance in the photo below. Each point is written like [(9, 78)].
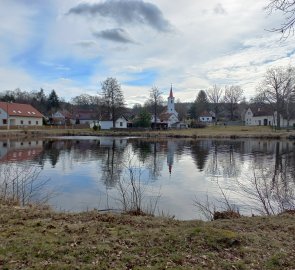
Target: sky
[(72, 46)]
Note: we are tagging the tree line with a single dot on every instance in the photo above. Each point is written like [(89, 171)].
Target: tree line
[(276, 90)]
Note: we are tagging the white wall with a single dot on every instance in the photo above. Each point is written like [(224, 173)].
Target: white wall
[(17, 120), (3, 115), (251, 120), (121, 123), (206, 119), (25, 121), (106, 124)]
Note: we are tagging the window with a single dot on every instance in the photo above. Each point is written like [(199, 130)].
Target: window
[(121, 124), (19, 111), (4, 121), (37, 122), (29, 122), (21, 122)]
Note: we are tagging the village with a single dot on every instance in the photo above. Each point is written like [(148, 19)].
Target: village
[(21, 109), (147, 134)]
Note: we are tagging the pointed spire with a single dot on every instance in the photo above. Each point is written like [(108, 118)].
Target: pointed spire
[(171, 92)]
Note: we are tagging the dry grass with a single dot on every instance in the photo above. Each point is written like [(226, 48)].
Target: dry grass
[(226, 132), (34, 238)]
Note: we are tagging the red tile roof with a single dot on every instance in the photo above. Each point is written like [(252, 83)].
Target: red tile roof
[(17, 109)]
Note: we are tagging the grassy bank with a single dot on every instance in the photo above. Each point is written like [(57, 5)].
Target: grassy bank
[(208, 132), (33, 238)]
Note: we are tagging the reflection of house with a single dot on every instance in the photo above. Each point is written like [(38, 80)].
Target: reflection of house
[(106, 123), (19, 150), (264, 117), (16, 114), (110, 142)]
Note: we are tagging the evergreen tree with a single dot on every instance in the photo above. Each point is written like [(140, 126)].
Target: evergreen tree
[(200, 105), (53, 100), (144, 119)]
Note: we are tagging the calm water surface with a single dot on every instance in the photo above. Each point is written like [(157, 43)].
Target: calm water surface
[(82, 173)]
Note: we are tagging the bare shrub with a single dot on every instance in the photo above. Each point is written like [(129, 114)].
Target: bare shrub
[(22, 185), (217, 208), (133, 193), (269, 192)]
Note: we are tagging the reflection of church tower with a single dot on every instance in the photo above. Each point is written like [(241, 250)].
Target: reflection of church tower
[(171, 148)]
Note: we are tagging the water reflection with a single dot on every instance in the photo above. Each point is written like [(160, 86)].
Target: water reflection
[(87, 169)]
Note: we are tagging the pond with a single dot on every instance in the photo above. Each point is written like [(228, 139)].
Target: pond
[(85, 173)]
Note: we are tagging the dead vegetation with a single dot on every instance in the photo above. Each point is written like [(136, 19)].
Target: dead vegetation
[(34, 238)]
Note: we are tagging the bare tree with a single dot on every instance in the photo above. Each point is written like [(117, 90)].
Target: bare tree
[(287, 8), (232, 96), (278, 89), (22, 184), (155, 100), (214, 95), (113, 98)]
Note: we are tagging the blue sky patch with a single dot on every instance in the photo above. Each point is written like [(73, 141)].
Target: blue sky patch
[(144, 78)]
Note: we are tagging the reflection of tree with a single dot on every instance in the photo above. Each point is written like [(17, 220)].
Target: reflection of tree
[(112, 165), (52, 151), (200, 152), (269, 195), (224, 159), (149, 154), (270, 186), (142, 149)]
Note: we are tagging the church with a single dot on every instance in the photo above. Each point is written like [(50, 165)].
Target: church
[(169, 117)]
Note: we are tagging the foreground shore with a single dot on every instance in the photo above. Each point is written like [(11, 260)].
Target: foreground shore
[(35, 238), (226, 132)]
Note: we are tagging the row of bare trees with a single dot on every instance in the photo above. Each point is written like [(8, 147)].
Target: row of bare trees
[(217, 98), (278, 90)]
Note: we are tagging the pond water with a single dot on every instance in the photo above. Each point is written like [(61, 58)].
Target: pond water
[(85, 173)]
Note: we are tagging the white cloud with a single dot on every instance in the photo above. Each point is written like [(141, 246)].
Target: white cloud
[(213, 42)]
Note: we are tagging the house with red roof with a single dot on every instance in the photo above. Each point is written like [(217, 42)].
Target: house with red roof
[(16, 114)]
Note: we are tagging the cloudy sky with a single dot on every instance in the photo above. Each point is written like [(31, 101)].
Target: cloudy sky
[(72, 46)]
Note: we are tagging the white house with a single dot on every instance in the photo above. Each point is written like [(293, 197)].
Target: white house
[(86, 117), (120, 123), (265, 117), (16, 114), (206, 117)]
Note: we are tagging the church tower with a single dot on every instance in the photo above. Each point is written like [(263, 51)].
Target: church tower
[(170, 105)]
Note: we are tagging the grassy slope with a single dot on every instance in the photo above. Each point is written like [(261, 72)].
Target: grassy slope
[(38, 239)]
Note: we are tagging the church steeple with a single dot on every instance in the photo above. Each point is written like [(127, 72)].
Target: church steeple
[(171, 92)]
